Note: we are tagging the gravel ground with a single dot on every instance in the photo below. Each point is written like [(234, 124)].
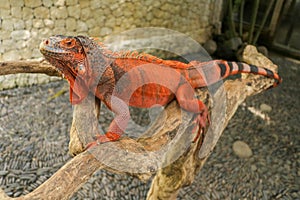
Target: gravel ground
[(34, 144)]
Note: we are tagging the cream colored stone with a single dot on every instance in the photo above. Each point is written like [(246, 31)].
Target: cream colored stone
[(47, 3), (105, 31), (110, 22), (4, 34), (139, 14), (5, 13), (7, 81), (106, 12), (60, 23), (118, 12), (41, 13), (58, 13), (242, 149), (45, 32), (81, 26), (148, 2), (127, 13), (71, 24), (156, 21), (7, 25), (18, 24), (28, 24), (20, 34), (166, 7), (84, 4), (16, 12), (35, 33), (2, 49), (74, 11), (11, 55), (149, 16), (33, 42), (19, 3), (38, 23), (114, 6), (49, 23), (36, 53), (175, 9), (100, 20), (7, 45), (117, 29), (33, 3), (59, 30), (71, 2), (94, 32), (21, 44), (157, 13), (91, 23), (71, 33), (5, 4), (118, 22), (60, 2), (94, 4), (85, 14), (265, 107), (25, 54), (27, 13), (130, 6)]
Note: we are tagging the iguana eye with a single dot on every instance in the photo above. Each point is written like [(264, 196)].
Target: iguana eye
[(68, 43)]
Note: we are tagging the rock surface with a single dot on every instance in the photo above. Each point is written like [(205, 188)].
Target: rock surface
[(27, 20), (242, 149), (265, 107)]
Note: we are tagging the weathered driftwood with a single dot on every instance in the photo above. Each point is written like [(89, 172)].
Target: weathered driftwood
[(14, 67), (174, 160)]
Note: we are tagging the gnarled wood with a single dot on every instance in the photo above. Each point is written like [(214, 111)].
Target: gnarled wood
[(14, 67), (173, 159)]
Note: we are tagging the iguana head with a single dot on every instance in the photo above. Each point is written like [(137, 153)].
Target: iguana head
[(68, 55)]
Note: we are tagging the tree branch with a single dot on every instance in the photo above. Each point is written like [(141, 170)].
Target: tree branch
[(174, 158), (14, 67)]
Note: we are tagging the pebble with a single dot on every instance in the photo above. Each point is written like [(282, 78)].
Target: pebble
[(210, 46), (242, 149), (265, 107)]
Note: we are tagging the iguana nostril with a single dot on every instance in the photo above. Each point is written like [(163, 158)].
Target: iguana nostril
[(46, 42)]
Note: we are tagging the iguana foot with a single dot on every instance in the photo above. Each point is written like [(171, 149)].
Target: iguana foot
[(201, 120), (107, 137)]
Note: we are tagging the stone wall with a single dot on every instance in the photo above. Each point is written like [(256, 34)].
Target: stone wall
[(24, 23)]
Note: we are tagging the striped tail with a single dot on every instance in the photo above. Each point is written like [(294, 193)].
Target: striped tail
[(230, 68), (207, 73)]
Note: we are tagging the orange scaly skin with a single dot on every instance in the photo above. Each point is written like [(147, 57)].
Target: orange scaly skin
[(122, 79)]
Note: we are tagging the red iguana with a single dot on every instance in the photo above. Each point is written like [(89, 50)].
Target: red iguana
[(122, 79)]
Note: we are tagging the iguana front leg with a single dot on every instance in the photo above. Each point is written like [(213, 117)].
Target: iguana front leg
[(119, 123)]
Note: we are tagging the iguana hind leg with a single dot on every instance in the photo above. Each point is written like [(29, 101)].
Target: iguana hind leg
[(187, 101)]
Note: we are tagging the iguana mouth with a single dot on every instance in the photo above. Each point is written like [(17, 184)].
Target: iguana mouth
[(56, 56), (47, 50)]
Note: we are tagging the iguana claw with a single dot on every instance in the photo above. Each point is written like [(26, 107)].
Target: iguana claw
[(107, 137)]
